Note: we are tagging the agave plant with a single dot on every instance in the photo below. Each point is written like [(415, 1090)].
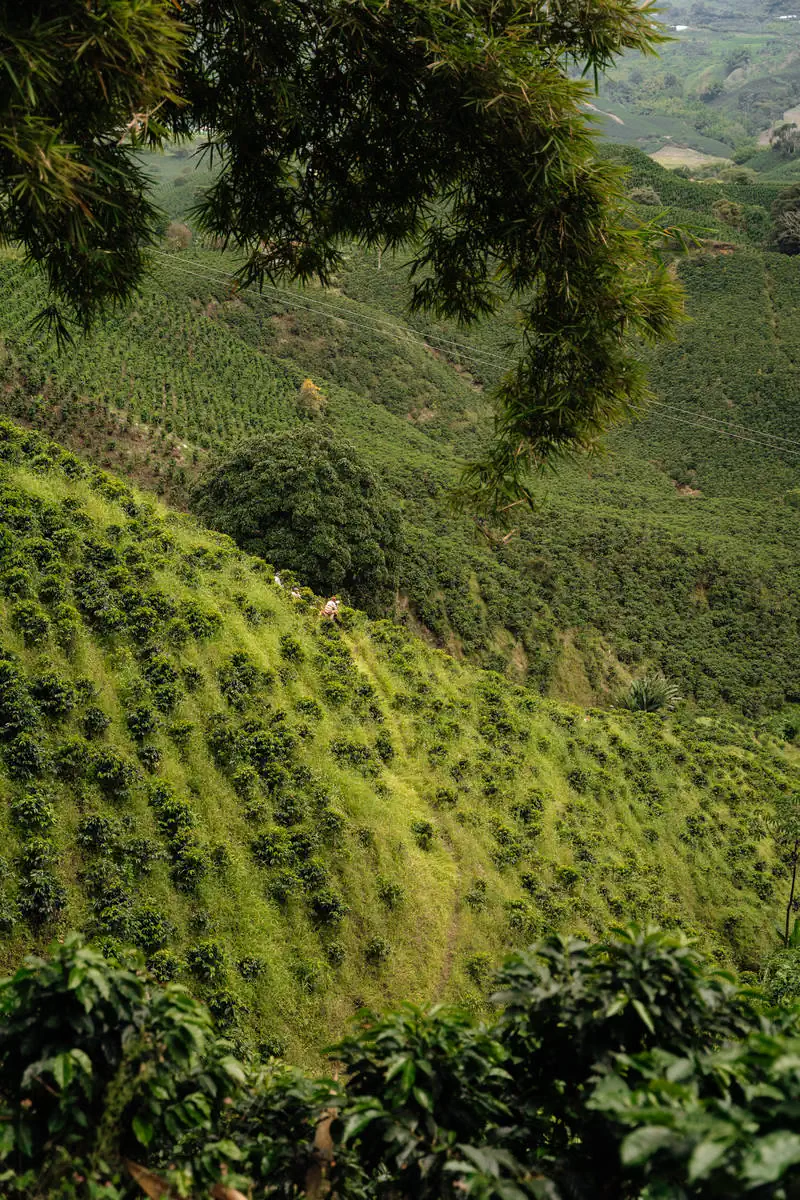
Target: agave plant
[(650, 693)]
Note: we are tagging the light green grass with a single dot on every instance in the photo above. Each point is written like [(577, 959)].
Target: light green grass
[(615, 791)]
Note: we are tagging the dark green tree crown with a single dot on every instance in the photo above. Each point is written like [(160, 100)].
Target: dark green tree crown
[(304, 501)]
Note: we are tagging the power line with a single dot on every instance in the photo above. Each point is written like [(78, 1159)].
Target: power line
[(731, 429), (286, 296), (729, 433), (322, 305), (727, 425), (709, 424)]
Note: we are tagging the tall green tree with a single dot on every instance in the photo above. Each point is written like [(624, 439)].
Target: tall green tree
[(304, 501), (453, 128)]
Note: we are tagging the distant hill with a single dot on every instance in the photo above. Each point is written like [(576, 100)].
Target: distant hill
[(728, 74), (299, 819)]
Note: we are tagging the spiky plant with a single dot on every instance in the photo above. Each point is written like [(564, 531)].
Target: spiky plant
[(651, 693)]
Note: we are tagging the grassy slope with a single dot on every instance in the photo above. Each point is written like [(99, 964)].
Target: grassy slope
[(542, 816), (617, 568)]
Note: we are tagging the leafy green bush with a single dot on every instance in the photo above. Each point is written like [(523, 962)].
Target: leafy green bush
[(25, 757), (31, 621), (114, 773), (621, 1069), (207, 962), (34, 812), (424, 834), (390, 893), (377, 951)]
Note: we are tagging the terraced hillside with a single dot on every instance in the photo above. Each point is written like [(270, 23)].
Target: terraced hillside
[(297, 818), (679, 549)]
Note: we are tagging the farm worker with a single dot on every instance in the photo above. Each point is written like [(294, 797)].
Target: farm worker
[(330, 609), (278, 581)]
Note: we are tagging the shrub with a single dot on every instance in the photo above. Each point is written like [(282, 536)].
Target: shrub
[(149, 757), (207, 962), (478, 967), (98, 833), (353, 754), (567, 877), (141, 854), (113, 773), (41, 897), (202, 623), (330, 824), (308, 975), (290, 648), (272, 848), (644, 195), (193, 678), (72, 758), (164, 966), (181, 733), (651, 693), (424, 834), (95, 722), (237, 679), (67, 623), (328, 907), (150, 930), (142, 721), (251, 968), (310, 871), (377, 951), (225, 743), (31, 621), (9, 915), (25, 757), (17, 583), (383, 747), (476, 896), (289, 809), (35, 854), (18, 713), (309, 708), (189, 866), (246, 782), (34, 812), (174, 817), (283, 886), (52, 589), (390, 893)]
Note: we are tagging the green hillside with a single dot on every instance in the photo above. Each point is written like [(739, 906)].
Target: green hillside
[(643, 557), (298, 819), (726, 77)]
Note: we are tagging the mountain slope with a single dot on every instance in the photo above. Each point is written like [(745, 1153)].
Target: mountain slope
[(639, 558), (299, 819)]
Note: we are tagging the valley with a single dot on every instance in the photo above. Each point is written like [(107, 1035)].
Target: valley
[(399, 601)]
